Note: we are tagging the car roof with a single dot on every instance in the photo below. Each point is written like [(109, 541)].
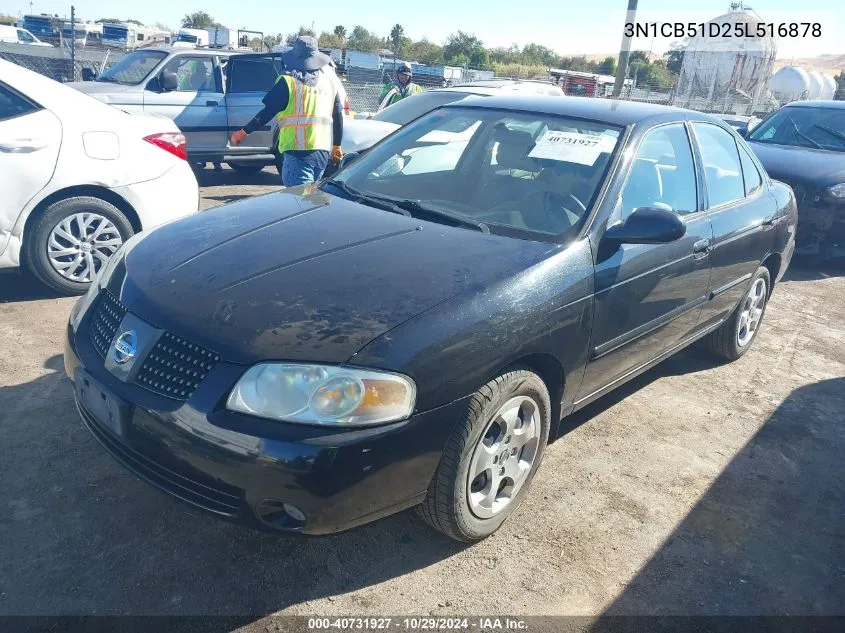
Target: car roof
[(190, 51), (607, 110), (839, 105)]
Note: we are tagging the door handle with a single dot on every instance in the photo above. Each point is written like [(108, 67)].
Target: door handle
[(701, 248), (211, 103), (22, 145)]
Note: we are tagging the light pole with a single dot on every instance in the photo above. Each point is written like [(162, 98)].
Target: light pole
[(625, 52)]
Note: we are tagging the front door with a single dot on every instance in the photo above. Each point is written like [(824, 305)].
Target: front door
[(648, 297), (196, 105), (30, 138)]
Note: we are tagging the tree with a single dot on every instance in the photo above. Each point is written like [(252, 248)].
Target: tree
[(117, 21), (840, 86), (162, 26), (675, 57), (362, 40), (331, 40), (638, 55), (480, 59), (396, 34), (340, 31), (607, 66), (199, 20), (272, 40), (291, 37), (538, 55), (425, 52), (10, 20), (460, 47)]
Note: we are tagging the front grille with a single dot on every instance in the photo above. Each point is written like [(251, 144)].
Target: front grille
[(106, 318), (176, 367), (206, 493)]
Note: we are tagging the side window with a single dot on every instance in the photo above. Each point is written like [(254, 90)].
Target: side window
[(750, 174), (252, 74), (663, 173), (194, 74), (722, 170), (23, 36), (13, 105)]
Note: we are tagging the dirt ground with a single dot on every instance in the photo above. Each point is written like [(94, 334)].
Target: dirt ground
[(699, 488)]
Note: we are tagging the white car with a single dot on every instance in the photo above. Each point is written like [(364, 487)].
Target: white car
[(17, 35), (79, 177)]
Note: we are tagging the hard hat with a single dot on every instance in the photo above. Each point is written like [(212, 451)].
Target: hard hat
[(404, 67)]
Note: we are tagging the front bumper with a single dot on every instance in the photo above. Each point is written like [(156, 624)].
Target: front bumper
[(245, 469), (821, 227)]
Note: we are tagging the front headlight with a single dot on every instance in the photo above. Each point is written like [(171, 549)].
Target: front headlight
[(323, 394), (837, 191)]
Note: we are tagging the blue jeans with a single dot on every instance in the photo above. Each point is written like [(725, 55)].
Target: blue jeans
[(300, 167)]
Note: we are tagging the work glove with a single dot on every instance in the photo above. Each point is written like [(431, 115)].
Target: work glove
[(337, 154), (237, 137)]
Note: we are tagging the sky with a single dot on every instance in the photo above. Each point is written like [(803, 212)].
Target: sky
[(589, 28)]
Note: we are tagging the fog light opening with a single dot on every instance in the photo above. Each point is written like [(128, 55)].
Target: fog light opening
[(281, 515)]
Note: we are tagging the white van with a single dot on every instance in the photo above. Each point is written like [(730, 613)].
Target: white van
[(15, 35)]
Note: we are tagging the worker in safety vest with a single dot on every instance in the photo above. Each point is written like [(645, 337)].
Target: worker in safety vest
[(401, 88), (309, 112)]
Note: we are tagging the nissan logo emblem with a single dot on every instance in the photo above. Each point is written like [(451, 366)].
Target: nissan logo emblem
[(125, 347)]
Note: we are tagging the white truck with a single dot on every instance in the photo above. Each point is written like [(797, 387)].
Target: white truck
[(230, 39)]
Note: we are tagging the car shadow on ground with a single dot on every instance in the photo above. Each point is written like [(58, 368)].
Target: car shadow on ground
[(16, 286), (229, 177), (81, 535), (802, 271), (768, 537)]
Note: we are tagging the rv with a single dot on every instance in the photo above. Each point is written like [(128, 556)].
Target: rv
[(191, 38), (83, 33), (131, 36), (45, 27)]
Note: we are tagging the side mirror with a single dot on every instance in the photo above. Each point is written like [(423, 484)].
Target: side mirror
[(647, 225), (347, 159), (89, 74), (168, 81)]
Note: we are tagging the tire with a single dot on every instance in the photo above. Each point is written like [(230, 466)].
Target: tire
[(734, 337), (247, 168), (447, 506), (96, 215)]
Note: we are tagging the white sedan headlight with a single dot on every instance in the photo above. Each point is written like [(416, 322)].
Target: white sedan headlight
[(323, 394), (837, 191)]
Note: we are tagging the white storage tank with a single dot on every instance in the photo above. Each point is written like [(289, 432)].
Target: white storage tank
[(720, 70), (828, 87), (816, 84), (791, 83)]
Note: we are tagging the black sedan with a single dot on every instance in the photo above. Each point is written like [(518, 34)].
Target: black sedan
[(411, 332), (803, 144)]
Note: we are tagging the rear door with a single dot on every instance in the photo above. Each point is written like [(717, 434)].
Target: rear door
[(30, 138), (741, 212), (196, 105), (248, 79)]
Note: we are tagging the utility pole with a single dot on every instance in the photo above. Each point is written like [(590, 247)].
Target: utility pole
[(72, 43), (625, 52)]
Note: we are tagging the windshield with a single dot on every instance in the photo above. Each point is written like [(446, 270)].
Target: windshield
[(410, 108), (533, 176), (133, 68), (820, 128), (185, 37)]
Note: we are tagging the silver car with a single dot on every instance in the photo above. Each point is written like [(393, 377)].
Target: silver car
[(208, 93)]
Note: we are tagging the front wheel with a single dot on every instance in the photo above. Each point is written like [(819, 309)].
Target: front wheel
[(491, 457), (72, 239), (735, 336)]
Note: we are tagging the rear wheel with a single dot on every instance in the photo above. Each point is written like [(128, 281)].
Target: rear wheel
[(491, 457), (735, 336), (72, 239)]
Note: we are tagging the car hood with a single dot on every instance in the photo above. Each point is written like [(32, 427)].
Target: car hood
[(304, 276), (361, 134), (807, 166), (103, 90)]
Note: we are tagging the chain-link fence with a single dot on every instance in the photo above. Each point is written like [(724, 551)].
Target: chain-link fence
[(365, 85)]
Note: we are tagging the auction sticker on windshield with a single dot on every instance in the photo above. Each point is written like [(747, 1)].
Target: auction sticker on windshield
[(572, 147)]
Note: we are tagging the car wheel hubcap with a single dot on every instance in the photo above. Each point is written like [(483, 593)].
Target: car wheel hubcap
[(751, 313), (503, 457), (80, 244)]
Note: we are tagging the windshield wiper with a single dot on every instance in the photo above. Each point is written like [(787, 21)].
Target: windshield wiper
[(373, 201), (801, 134), (834, 133), (415, 206)]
